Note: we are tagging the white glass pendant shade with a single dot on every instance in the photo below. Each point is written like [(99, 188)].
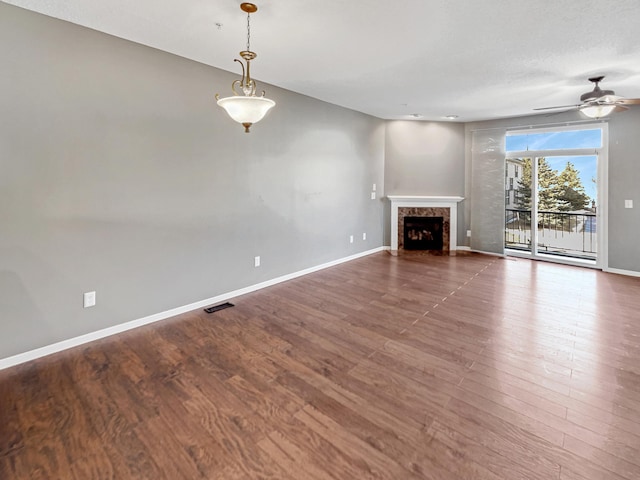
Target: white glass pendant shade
[(597, 111), (246, 109)]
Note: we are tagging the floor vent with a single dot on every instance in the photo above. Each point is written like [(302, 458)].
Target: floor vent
[(215, 308)]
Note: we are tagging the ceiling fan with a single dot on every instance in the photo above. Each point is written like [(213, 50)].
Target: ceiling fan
[(598, 103)]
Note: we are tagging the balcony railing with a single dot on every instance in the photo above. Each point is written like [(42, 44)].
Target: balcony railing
[(559, 233)]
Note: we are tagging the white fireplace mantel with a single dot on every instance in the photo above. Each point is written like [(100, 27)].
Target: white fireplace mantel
[(451, 203)]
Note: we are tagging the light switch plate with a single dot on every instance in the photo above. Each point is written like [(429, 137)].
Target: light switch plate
[(628, 204)]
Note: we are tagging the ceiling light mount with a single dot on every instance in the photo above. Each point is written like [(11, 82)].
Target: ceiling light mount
[(248, 7), (597, 92), (246, 108)]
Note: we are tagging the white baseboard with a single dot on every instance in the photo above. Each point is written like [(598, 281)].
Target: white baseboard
[(618, 271), (123, 327), (488, 253)]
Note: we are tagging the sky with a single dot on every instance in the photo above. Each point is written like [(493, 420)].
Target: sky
[(561, 140)]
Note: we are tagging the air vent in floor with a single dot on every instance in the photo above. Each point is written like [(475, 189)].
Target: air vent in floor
[(216, 308)]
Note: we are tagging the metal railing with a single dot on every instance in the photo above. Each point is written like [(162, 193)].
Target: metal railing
[(559, 233)]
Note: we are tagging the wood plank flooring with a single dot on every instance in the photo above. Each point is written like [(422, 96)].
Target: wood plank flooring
[(411, 367)]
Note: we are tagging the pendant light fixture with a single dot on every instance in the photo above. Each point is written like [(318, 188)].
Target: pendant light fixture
[(246, 108)]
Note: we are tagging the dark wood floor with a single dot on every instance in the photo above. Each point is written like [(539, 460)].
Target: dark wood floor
[(414, 367)]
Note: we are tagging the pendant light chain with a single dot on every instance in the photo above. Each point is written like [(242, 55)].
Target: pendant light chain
[(248, 32)]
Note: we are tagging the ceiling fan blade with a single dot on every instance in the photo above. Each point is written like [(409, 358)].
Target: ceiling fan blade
[(561, 106), (559, 112), (629, 101), (620, 108)]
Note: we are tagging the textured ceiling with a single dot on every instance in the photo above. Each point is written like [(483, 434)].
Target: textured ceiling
[(475, 59)]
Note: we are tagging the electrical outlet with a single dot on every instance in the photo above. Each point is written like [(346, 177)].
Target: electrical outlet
[(373, 187), (350, 238), (89, 299), (468, 233), (364, 236), (256, 261), (373, 195)]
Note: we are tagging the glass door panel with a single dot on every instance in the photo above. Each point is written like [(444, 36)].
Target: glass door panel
[(566, 204), (517, 233)]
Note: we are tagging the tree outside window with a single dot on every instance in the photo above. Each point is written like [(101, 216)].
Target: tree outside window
[(557, 192)]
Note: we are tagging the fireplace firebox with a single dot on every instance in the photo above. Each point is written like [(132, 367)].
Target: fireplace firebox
[(423, 233)]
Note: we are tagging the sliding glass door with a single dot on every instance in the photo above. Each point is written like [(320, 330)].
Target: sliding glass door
[(552, 207)]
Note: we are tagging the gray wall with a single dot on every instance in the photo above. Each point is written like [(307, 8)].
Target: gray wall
[(119, 174), (624, 178), (624, 184), (424, 158)]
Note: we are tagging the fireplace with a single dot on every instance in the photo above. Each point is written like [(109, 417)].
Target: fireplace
[(437, 215), (423, 233)]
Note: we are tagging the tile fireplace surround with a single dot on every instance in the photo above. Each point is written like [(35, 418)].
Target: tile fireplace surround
[(417, 206)]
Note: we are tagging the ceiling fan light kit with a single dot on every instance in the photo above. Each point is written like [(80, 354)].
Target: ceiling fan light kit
[(246, 108), (598, 103), (597, 111)]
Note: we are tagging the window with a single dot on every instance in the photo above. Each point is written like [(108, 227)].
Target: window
[(554, 140)]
